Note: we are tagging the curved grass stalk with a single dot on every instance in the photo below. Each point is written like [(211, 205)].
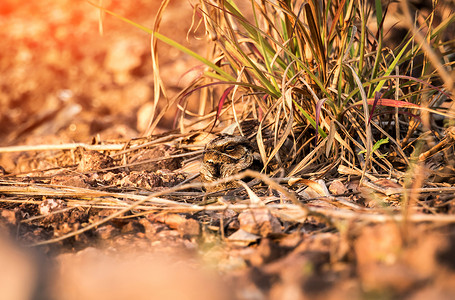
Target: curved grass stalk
[(170, 42)]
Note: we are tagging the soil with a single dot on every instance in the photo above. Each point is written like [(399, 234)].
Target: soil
[(120, 216)]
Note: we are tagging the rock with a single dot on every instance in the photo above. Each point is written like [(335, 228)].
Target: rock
[(189, 228), (154, 159), (243, 238), (70, 180), (94, 161), (49, 205), (337, 187), (259, 221)]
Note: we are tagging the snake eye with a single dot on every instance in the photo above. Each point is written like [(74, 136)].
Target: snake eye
[(229, 148)]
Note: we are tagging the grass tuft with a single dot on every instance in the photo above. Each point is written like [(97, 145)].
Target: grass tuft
[(320, 71)]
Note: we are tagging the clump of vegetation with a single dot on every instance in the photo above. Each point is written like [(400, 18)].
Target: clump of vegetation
[(317, 73), (317, 76)]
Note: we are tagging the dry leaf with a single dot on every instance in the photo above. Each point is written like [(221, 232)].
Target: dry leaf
[(259, 221)]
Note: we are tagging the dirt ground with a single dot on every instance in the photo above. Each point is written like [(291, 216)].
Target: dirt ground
[(63, 82)]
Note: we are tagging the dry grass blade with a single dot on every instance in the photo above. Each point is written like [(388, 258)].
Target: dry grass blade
[(304, 163), (158, 85), (435, 60), (344, 214), (254, 199), (369, 140), (312, 15), (72, 146), (153, 197), (287, 99), (77, 193)]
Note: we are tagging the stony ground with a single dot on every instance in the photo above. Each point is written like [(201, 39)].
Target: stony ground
[(64, 83)]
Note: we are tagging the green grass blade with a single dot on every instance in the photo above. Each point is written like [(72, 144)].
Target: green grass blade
[(391, 67), (226, 76)]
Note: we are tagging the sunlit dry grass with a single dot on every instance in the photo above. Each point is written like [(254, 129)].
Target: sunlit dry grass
[(319, 73), (329, 99)]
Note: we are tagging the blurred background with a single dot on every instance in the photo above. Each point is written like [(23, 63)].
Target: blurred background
[(63, 81)]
